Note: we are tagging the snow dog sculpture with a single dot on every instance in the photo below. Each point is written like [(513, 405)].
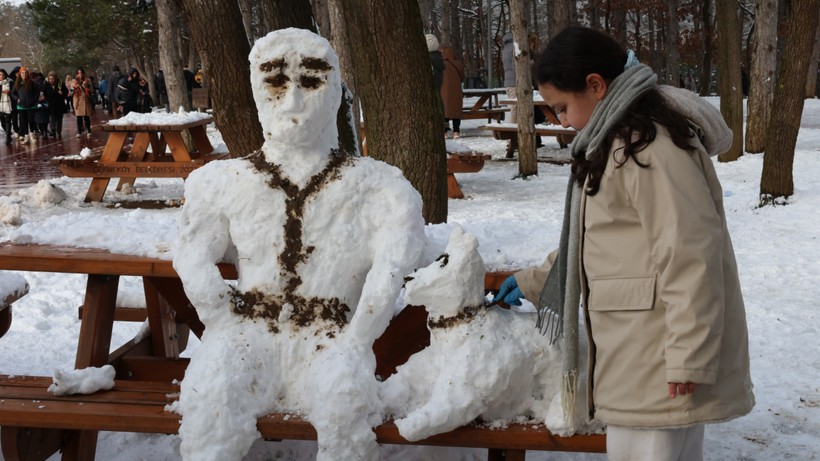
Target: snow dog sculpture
[(321, 241), (482, 361)]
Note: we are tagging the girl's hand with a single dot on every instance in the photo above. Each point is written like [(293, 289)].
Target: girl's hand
[(676, 389)]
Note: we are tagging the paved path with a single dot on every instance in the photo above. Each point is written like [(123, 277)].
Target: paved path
[(23, 165)]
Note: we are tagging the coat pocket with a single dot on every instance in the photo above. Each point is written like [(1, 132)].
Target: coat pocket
[(622, 293)]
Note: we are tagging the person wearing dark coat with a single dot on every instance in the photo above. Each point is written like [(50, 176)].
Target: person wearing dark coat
[(128, 92), (15, 121), (5, 104), (111, 91), (55, 92), (26, 92)]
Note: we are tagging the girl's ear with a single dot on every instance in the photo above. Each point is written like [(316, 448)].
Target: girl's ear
[(597, 85)]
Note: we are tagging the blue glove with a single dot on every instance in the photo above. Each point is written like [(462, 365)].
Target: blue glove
[(509, 293)]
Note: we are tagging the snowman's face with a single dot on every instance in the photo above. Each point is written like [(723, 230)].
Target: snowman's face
[(297, 94)]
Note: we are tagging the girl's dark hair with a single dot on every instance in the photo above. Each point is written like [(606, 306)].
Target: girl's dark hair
[(565, 63)]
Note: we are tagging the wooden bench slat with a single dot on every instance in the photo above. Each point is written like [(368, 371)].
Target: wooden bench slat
[(115, 410)]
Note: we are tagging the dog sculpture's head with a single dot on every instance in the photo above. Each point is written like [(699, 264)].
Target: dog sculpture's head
[(453, 281)]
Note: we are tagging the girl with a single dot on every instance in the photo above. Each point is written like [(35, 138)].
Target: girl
[(82, 102), (5, 104), (26, 92), (646, 248)]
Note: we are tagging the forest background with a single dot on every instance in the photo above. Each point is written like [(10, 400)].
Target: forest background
[(766, 50)]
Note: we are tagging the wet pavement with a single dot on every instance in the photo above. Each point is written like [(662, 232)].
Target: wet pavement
[(23, 165)]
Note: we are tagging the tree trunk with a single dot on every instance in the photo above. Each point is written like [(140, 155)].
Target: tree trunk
[(282, 14), (445, 25), (455, 29), (321, 12), (729, 80), (246, 7), (405, 125), (708, 53), (618, 22), (672, 54), (220, 36), (811, 81), (777, 181), (347, 121), (761, 79), (170, 61), (527, 155), (558, 20)]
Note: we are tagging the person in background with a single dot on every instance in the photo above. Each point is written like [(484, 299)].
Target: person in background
[(145, 101), (508, 62), (437, 63), (15, 119), (69, 84), (111, 90), (25, 92), (56, 96), (128, 91), (646, 250), (40, 129), (83, 105), (451, 92), (5, 104), (159, 83), (103, 96)]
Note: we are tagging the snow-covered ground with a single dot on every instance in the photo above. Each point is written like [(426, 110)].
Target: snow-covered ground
[(517, 222)]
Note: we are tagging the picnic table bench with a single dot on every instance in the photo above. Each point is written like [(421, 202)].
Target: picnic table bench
[(462, 162), (158, 132), (509, 131), (35, 424)]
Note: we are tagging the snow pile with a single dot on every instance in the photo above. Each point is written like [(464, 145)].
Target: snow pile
[(160, 118), (12, 286), (10, 212), (46, 194)]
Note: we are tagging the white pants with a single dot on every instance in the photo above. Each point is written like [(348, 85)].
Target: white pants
[(627, 444)]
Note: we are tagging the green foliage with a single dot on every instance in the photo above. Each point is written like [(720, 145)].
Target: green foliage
[(86, 32)]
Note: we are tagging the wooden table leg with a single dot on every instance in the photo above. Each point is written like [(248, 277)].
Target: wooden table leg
[(171, 290), (137, 154), (495, 454), (453, 189), (113, 147), (30, 444), (178, 148), (5, 319), (92, 350), (164, 331), (200, 138)]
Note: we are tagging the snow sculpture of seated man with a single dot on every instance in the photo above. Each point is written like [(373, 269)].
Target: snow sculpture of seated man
[(321, 242), (482, 361)]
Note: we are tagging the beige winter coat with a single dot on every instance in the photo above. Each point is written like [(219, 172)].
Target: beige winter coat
[(660, 292), (82, 97)]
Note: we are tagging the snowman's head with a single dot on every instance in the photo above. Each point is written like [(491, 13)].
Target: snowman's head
[(297, 88)]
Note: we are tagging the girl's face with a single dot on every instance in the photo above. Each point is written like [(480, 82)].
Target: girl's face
[(80, 74), (24, 74), (3, 76), (574, 109), (52, 79)]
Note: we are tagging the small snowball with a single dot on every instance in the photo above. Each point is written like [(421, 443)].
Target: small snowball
[(9, 212), (85, 153)]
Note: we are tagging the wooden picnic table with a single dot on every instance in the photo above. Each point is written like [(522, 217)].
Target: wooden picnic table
[(36, 423), (163, 130), (486, 104)]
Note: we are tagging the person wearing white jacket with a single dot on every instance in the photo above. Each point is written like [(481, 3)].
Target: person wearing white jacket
[(5, 104)]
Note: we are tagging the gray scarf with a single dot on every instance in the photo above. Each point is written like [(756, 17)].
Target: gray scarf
[(561, 294)]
